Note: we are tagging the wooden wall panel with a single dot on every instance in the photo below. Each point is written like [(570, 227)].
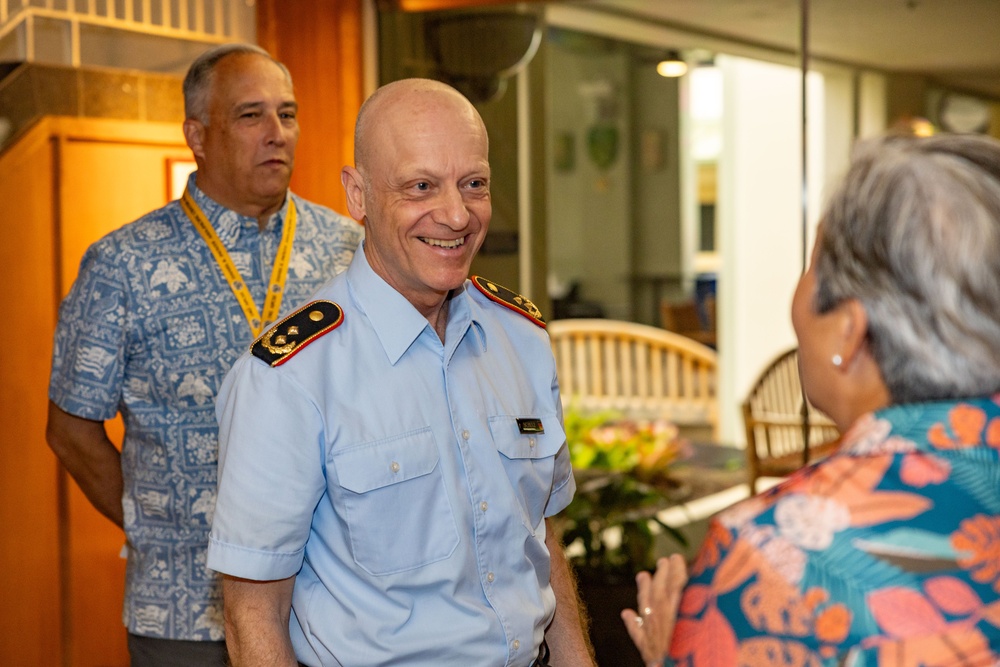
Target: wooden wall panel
[(30, 626), (320, 43)]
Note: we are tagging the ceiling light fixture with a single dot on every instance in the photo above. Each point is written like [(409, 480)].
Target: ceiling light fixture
[(672, 66)]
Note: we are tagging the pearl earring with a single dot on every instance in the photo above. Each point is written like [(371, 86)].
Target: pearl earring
[(837, 360)]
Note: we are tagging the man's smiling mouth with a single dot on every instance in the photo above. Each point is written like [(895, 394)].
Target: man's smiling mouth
[(442, 243)]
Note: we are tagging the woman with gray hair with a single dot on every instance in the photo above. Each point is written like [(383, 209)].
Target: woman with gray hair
[(888, 551)]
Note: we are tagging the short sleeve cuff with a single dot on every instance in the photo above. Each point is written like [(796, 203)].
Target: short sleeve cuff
[(561, 496), (252, 564), (69, 405)]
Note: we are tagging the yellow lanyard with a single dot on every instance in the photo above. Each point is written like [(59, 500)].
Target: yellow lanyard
[(275, 290)]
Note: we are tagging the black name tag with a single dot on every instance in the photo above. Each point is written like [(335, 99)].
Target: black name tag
[(530, 425)]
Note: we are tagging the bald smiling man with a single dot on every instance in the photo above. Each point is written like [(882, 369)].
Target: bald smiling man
[(391, 453)]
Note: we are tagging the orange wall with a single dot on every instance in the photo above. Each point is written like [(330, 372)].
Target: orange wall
[(29, 553), (320, 43)]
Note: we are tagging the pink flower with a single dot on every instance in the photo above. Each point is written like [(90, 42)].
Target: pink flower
[(921, 470)]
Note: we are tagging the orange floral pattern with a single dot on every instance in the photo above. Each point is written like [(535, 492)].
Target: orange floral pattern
[(978, 539), (888, 553), (833, 624)]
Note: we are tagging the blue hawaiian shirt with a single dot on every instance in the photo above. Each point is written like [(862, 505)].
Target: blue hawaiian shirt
[(149, 329)]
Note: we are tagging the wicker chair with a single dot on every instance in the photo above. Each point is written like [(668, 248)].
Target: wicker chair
[(779, 421)]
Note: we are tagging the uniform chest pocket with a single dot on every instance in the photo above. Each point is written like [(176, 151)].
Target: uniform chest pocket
[(395, 504), (529, 461)]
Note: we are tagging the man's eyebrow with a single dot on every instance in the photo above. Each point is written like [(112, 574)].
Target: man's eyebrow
[(257, 106), (247, 106)]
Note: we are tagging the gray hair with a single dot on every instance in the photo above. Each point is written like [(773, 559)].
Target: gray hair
[(198, 79), (913, 233)]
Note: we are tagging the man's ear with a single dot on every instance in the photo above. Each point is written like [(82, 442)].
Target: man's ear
[(354, 188), (194, 135)]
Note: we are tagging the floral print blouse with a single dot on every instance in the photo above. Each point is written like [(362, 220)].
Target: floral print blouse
[(886, 553)]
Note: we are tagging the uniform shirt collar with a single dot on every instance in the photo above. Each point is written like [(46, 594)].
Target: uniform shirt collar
[(395, 321), (229, 224)]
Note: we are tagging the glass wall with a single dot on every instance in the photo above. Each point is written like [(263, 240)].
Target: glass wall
[(612, 177)]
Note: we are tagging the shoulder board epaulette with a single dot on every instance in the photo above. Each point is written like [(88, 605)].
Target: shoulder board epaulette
[(288, 336), (510, 299)]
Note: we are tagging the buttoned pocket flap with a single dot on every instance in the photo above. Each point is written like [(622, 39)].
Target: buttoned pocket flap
[(385, 462)]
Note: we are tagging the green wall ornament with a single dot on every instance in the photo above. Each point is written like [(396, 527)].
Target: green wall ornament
[(602, 145)]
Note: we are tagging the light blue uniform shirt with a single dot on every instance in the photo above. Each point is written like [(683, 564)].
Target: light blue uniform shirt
[(387, 470)]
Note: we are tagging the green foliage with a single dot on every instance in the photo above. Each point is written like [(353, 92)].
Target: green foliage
[(622, 473)]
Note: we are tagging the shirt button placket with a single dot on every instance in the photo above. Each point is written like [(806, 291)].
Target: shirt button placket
[(483, 505)]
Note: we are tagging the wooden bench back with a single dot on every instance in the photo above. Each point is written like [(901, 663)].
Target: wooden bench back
[(639, 370)]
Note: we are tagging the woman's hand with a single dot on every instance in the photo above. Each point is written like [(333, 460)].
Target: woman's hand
[(652, 628)]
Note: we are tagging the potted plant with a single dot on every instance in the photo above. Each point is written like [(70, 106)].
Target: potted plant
[(622, 470)]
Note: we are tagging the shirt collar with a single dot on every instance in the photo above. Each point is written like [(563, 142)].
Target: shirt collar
[(395, 321), (229, 224)]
